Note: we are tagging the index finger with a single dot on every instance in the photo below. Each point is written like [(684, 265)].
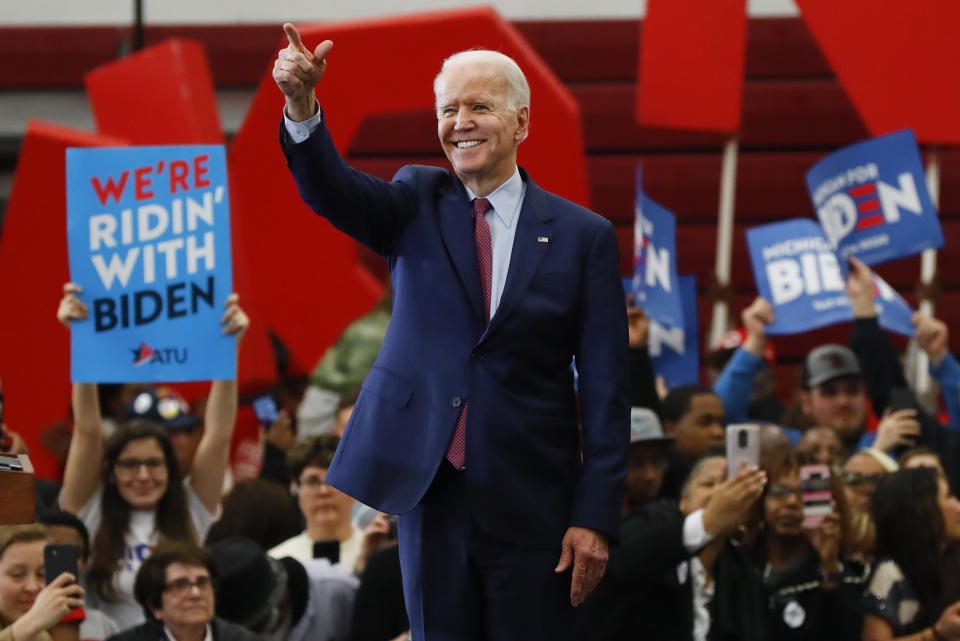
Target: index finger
[(293, 36), (71, 288), (577, 580)]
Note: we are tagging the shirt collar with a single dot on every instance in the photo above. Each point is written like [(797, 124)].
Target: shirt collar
[(506, 198), (207, 637)]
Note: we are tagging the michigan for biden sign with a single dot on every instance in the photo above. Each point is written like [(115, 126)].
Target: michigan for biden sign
[(149, 242), (872, 199), (798, 272)]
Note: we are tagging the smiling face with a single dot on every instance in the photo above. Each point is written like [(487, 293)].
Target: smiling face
[(21, 579), (140, 473), (478, 130), (188, 597)]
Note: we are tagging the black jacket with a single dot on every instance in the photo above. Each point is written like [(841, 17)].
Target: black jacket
[(751, 603), (220, 630), (640, 596)]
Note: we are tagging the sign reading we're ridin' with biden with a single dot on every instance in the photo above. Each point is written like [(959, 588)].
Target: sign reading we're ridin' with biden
[(148, 233), (872, 200)]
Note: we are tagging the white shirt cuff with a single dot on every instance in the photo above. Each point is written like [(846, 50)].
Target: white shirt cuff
[(695, 536), (300, 131)]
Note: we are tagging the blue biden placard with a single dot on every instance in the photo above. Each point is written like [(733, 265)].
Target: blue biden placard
[(655, 286), (149, 242), (872, 199), (674, 351), (798, 272)]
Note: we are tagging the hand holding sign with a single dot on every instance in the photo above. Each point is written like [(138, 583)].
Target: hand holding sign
[(860, 289), (755, 320), (932, 337), (234, 320), (297, 72), (71, 308)]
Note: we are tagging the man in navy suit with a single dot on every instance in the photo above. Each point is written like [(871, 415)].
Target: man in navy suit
[(467, 425)]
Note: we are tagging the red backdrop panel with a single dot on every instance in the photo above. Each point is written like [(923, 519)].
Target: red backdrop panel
[(307, 272), (34, 347), (897, 61), (158, 96), (691, 64)]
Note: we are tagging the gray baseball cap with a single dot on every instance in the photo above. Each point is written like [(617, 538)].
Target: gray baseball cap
[(828, 362), (645, 427)]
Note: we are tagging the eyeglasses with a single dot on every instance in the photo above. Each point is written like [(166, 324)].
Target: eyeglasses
[(312, 483), (856, 479), (183, 585), (779, 491), (154, 464)]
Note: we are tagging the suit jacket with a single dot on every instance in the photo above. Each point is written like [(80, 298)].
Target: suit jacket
[(563, 297)]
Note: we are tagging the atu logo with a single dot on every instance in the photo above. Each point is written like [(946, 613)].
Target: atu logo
[(166, 355), (868, 205)]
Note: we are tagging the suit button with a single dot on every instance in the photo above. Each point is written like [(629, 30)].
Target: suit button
[(477, 356), (455, 401)]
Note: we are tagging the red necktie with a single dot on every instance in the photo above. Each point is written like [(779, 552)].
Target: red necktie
[(456, 453)]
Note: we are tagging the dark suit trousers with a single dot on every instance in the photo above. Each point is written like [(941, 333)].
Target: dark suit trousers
[(461, 584)]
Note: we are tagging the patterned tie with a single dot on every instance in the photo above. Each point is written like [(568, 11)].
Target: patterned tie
[(456, 453)]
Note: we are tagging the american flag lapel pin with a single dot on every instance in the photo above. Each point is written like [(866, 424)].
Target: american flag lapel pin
[(543, 239)]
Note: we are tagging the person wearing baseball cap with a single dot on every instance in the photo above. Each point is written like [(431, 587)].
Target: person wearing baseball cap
[(648, 459), (165, 407)]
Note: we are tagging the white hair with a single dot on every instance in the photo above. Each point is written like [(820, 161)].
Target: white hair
[(518, 91)]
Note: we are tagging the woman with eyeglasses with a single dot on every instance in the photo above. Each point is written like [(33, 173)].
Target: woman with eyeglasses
[(789, 579), (129, 491), (176, 587), (914, 592), (28, 608)]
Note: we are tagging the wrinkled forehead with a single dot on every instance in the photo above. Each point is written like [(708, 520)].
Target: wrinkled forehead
[(470, 79)]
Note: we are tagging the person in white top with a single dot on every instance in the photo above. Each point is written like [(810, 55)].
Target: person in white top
[(129, 491), (327, 510)]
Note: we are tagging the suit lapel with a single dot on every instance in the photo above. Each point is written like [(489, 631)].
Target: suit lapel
[(530, 244), (456, 229)]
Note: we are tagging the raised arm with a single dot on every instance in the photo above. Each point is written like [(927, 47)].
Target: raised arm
[(210, 461), (735, 383), (297, 71), (933, 337), (85, 458)]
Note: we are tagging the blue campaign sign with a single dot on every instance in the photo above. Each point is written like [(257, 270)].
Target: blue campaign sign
[(148, 233), (797, 271), (872, 199), (893, 313), (655, 261), (675, 350)]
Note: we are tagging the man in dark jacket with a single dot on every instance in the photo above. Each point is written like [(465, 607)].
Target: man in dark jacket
[(175, 587)]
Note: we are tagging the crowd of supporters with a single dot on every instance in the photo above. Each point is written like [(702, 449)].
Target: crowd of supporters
[(169, 546)]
